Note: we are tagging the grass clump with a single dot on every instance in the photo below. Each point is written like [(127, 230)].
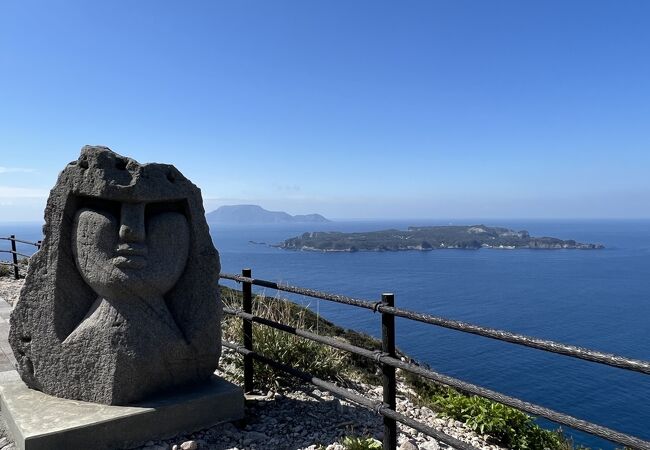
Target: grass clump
[(361, 443), (6, 270), (321, 361)]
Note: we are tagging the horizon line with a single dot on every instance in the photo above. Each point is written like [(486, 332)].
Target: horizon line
[(407, 219)]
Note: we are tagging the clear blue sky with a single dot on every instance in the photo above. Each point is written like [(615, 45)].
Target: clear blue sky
[(430, 109)]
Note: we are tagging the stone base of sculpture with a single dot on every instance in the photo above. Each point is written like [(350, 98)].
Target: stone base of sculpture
[(38, 421)]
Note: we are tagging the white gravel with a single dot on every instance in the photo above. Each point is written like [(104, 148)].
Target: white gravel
[(307, 418)]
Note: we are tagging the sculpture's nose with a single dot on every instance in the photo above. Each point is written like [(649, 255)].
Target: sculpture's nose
[(132, 227)]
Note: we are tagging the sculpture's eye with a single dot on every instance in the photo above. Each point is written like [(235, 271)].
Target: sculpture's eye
[(154, 208), (101, 205)]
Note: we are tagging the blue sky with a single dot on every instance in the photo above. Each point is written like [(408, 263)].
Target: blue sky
[(363, 109)]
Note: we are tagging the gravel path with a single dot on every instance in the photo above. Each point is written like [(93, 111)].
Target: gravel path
[(310, 419), (303, 418)]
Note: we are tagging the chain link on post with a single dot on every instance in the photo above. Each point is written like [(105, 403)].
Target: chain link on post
[(14, 255), (388, 372), (247, 324)]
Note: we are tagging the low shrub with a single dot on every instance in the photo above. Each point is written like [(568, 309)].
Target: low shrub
[(508, 426), (319, 360)]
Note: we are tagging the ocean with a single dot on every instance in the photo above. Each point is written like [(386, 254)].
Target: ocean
[(599, 299)]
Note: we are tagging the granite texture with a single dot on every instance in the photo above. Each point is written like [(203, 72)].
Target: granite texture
[(121, 301)]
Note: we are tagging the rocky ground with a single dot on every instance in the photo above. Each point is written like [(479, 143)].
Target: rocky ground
[(300, 418), (311, 419)]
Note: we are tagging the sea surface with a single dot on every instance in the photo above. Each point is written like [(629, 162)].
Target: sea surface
[(599, 299)]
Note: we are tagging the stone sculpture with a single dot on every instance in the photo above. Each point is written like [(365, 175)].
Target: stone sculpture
[(122, 300)]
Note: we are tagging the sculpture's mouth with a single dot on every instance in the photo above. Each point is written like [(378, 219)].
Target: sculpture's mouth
[(130, 256), (130, 262), (131, 249)]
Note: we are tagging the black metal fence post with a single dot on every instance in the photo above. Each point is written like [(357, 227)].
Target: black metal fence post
[(388, 372), (14, 255), (247, 324)]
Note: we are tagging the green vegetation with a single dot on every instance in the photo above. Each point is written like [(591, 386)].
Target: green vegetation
[(8, 270), (5, 270), (508, 426), (428, 238), (319, 360), (361, 443), (291, 314)]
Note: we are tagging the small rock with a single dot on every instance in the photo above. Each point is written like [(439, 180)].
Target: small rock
[(408, 445), (335, 447), (256, 436), (189, 445), (430, 445), (336, 404)]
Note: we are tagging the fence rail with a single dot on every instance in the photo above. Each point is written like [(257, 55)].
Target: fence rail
[(493, 333), (15, 254), (389, 362)]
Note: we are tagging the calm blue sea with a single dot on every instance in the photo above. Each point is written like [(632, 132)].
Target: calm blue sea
[(596, 299)]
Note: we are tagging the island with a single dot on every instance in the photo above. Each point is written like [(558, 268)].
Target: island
[(255, 215), (428, 238)]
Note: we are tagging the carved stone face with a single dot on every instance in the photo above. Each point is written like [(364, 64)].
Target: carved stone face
[(139, 254), (122, 301)]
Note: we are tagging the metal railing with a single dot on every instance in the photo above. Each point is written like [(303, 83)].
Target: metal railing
[(388, 360), (15, 254)]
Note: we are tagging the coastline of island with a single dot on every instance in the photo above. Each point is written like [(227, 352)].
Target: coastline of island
[(471, 237)]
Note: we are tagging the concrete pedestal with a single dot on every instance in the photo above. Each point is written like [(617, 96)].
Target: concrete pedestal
[(38, 421)]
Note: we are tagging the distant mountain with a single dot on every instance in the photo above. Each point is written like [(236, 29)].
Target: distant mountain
[(254, 214)]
